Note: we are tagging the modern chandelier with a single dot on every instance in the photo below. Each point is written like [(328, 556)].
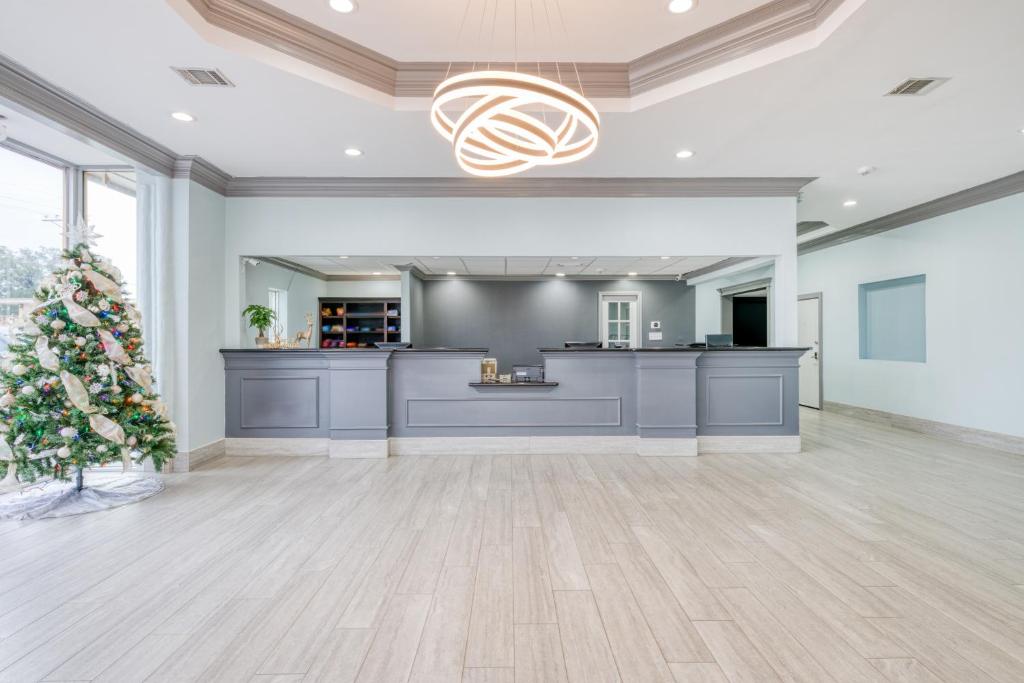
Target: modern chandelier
[(510, 121)]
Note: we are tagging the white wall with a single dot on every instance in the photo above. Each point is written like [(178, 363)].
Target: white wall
[(975, 321), (206, 324), (760, 226)]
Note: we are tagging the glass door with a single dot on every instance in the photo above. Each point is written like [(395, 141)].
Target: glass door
[(620, 315)]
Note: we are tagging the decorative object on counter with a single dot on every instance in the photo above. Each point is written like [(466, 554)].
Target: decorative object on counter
[(77, 391), (260, 318), (528, 374), (489, 370), (305, 335), (505, 379)]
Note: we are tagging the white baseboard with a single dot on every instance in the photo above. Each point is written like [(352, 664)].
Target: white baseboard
[(748, 444), (358, 448), (516, 445), (941, 430), (188, 461), (292, 447)]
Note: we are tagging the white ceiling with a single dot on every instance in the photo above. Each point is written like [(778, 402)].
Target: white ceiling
[(593, 31), (821, 113), (508, 266)]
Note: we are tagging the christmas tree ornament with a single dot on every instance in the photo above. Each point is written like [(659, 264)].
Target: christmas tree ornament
[(47, 358), (76, 392), (80, 315), (107, 428), (113, 349)]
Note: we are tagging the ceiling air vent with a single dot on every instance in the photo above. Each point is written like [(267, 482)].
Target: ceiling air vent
[(204, 77), (917, 86)]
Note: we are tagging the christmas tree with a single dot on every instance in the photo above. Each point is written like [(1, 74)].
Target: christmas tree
[(76, 389)]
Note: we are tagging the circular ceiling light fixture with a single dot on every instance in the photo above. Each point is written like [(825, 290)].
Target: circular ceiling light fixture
[(353, 152), (559, 274), (850, 203), (451, 273), (685, 154), (505, 128), (183, 116), (681, 6), (343, 6), (631, 274)]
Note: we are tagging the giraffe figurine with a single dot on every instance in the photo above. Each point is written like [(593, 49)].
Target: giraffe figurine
[(306, 335)]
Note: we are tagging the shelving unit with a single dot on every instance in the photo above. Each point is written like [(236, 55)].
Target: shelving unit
[(361, 323)]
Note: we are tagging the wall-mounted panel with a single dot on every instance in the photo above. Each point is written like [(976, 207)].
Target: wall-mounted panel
[(280, 402), (514, 412), (745, 400)]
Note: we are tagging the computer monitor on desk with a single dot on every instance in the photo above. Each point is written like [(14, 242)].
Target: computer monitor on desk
[(582, 344)]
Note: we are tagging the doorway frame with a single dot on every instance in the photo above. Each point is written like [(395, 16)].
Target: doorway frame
[(602, 320), (726, 294), (821, 344)]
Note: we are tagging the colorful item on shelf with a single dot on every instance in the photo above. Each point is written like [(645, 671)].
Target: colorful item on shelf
[(350, 345), (326, 312), (339, 311)]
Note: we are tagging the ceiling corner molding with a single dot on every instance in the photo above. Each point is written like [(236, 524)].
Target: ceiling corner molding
[(755, 30), (271, 27), (37, 97), (287, 41), (292, 266), (516, 187), (203, 172), (980, 194), (715, 267)]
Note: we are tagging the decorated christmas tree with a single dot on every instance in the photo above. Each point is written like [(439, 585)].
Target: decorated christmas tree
[(76, 389)]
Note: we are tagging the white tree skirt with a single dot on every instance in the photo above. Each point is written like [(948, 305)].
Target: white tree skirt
[(60, 499)]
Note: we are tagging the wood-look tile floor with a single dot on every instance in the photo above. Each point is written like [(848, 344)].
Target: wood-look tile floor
[(874, 555)]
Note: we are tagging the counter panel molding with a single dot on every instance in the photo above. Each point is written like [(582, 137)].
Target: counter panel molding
[(513, 412), (656, 402)]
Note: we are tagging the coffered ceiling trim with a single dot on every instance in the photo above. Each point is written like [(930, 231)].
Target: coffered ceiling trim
[(295, 44), (516, 187)]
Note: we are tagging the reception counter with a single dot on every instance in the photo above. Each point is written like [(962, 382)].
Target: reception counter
[(374, 403)]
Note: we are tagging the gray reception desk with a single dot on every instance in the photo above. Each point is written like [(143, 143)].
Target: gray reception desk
[(372, 403)]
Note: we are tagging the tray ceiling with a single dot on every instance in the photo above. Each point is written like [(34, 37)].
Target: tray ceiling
[(598, 31)]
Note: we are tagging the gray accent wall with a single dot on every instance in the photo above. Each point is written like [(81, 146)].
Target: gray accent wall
[(514, 319)]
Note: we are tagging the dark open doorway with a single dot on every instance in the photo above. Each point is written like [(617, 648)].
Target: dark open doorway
[(750, 320)]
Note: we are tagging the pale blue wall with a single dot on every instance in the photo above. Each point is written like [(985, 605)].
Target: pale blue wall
[(974, 317), (892, 319)]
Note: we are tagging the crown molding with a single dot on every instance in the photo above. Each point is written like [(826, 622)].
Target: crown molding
[(34, 96), (980, 194), (203, 172), (34, 153), (294, 38), (715, 267), (516, 187)]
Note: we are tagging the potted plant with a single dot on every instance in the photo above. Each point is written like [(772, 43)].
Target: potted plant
[(260, 317)]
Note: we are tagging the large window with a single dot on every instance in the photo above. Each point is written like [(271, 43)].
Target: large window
[(110, 208), (892, 319), (31, 218)]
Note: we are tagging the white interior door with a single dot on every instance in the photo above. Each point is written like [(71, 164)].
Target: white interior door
[(809, 334), (620, 318)]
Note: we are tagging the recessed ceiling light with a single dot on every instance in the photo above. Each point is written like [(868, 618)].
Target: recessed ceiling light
[(343, 6), (684, 154), (681, 6), (575, 258), (376, 272), (866, 170), (183, 116), (354, 152), (343, 257), (631, 274), (451, 273), (559, 274), (850, 203), (665, 258)]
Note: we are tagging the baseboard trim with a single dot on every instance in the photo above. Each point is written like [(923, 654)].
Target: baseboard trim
[(358, 448), (298, 447), (189, 461), (748, 444), (942, 430), (512, 445)]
